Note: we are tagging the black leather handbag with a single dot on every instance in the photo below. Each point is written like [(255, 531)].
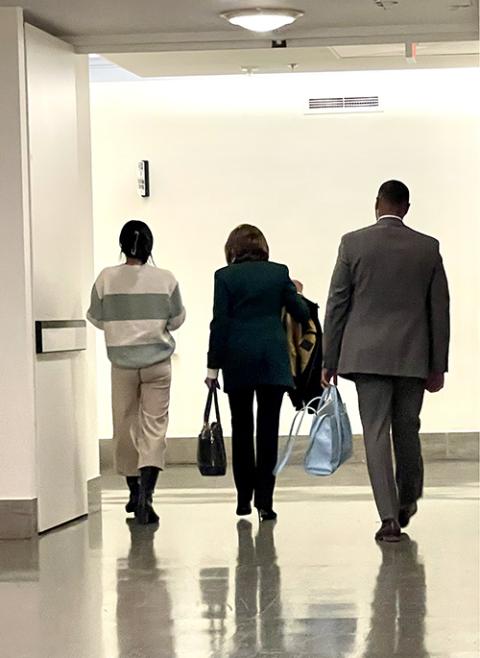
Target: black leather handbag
[(211, 456)]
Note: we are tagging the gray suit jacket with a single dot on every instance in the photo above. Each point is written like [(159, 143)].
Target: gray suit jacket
[(388, 306)]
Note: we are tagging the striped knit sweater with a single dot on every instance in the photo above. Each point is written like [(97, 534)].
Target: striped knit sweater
[(137, 306)]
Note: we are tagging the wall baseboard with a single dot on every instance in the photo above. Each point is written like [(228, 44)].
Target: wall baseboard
[(463, 446), (94, 492), (18, 519)]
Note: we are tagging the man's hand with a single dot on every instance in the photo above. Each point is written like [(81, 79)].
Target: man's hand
[(327, 376), (435, 382)]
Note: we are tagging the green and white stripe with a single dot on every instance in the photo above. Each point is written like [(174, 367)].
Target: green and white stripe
[(137, 307)]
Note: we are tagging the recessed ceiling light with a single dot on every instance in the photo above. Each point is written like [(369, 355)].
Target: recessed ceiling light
[(386, 4), (262, 20)]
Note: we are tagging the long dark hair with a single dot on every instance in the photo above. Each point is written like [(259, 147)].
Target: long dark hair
[(246, 243), (136, 240)]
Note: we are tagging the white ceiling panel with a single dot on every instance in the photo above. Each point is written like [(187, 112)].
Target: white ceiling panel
[(123, 25), (259, 61), (398, 49)]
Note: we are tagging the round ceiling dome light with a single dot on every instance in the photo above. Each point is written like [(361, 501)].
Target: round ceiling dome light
[(262, 20)]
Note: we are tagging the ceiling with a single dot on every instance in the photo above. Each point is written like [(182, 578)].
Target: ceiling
[(116, 26), (282, 60)]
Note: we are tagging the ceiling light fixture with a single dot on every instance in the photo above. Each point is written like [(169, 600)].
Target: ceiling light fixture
[(262, 20)]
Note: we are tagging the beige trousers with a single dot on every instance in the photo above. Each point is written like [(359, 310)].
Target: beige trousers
[(140, 400)]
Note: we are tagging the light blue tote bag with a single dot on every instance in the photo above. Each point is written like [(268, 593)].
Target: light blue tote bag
[(330, 435)]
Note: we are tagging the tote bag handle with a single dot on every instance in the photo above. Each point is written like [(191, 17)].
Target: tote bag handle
[(331, 392), (212, 397), (294, 432)]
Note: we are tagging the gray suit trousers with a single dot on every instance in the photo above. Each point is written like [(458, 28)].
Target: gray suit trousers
[(392, 404)]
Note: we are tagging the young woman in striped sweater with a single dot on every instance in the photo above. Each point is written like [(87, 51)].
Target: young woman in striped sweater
[(138, 305)]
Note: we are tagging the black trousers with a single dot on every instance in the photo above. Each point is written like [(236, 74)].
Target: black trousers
[(390, 412), (253, 473)]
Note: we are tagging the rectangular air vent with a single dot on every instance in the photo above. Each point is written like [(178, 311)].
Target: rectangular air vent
[(325, 103), (343, 104), (361, 101)]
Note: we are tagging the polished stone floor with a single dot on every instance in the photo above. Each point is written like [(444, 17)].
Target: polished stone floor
[(206, 585)]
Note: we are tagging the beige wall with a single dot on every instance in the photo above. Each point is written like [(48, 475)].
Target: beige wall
[(85, 234), (227, 150), (17, 404)]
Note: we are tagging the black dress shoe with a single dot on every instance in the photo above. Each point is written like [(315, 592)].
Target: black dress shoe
[(389, 532), (266, 515), (244, 510), (405, 514)]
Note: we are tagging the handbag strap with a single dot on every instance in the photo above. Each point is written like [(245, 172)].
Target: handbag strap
[(321, 401), (333, 394), (290, 441), (337, 404), (294, 432), (330, 392), (212, 397)]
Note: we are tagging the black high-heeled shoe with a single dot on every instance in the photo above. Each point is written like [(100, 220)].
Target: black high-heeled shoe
[(266, 515), (244, 510)]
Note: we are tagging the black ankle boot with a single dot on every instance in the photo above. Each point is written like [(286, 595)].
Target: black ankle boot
[(145, 513), (244, 509), (134, 486)]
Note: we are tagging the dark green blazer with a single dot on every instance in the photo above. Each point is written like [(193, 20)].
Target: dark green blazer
[(247, 339)]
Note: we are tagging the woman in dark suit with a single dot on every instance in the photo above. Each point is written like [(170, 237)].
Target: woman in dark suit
[(248, 343)]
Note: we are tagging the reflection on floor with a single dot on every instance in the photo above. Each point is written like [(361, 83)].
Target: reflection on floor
[(207, 585)]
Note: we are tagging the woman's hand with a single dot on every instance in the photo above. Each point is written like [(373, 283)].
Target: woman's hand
[(435, 382), (212, 384), (298, 285)]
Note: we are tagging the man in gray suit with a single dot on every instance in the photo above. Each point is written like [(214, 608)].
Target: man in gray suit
[(387, 329)]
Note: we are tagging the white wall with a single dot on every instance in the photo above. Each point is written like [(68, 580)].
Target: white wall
[(228, 150), (62, 270), (17, 411), (84, 228)]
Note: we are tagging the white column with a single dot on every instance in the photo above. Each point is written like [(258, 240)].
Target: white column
[(62, 267), (48, 442), (17, 407)]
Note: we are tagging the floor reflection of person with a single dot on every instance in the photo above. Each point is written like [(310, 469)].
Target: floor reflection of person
[(144, 613), (397, 626), (258, 608), (214, 591)]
